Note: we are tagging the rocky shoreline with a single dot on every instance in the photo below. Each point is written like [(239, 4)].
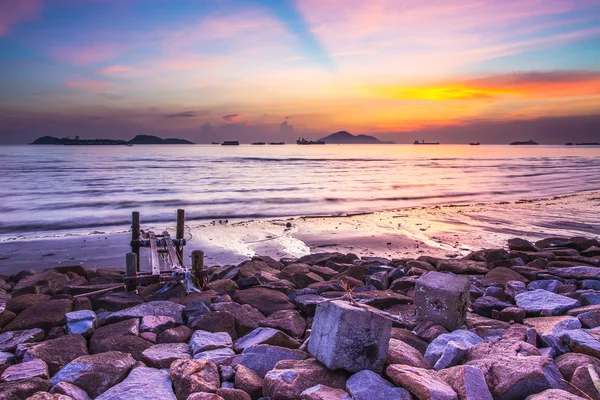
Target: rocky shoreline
[(513, 323)]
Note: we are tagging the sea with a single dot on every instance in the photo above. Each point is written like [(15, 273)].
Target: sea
[(48, 191)]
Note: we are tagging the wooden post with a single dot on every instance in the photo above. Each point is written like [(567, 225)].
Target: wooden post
[(198, 266), (135, 236), (179, 233), (131, 265)]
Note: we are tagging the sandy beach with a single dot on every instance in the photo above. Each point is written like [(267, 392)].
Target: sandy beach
[(441, 231)]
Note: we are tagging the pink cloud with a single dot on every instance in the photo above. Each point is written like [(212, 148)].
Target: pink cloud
[(86, 54), (113, 69), (233, 117), (17, 11), (90, 84)]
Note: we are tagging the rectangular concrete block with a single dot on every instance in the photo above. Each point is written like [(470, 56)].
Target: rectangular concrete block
[(348, 337), (442, 298)]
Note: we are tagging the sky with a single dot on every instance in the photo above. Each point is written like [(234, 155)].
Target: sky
[(248, 70)]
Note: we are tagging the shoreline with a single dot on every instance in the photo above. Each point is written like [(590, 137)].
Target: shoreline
[(442, 231)]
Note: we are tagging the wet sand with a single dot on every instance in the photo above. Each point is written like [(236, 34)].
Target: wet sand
[(446, 231)]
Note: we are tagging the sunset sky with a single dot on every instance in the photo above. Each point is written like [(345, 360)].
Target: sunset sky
[(207, 70)]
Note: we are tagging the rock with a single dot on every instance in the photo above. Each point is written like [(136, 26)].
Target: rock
[(486, 305), (513, 288), (25, 370), (549, 285), (307, 303), (579, 341), (82, 322), (288, 321), (521, 245), (422, 383), (23, 389), (96, 373), (512, 378), (290, 378), (567, 363), (191, 376), (6, 359), (156, 308), (247, 318), (501, 276), (115, 301), (550, 329), (44, 315), (181, 334), (203, 341), (322, 392), (553, 394), (232, 394), (441, 345), (536, 301), (216, 321), (514, 314), (324, 258), (263, 358), (162, 355), (45, 283), (367, 385), (442, 298), (590, 319), (409, 338), (248, 381), (74, 392), (428, 330), (58, 352), (582, 381), (467, 381), (265, 336), (157, 323), (10, 340), (142, 383), (402, 353), (578, 272), (462, 267), (204, 396), (379, 280), (222, 286), (218, 356), (24, 301), (349, 337), (264, 300), (501, 348), (133, 345)]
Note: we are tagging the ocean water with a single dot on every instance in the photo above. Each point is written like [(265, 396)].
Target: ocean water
[(56, 190)]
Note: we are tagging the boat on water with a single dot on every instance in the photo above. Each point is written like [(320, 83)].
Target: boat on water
[(216, 143), (304, 141), (230, 143), (424, 142), (475, 144), (527, 143), (277, 143), (259, 143)]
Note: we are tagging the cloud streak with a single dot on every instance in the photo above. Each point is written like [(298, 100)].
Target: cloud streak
[(15, 12)]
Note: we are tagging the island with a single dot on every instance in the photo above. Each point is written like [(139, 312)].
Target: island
[(527, 143), (139, 139), (344, 137)]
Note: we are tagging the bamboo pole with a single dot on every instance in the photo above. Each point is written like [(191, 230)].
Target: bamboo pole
[(131, 263), (179, 233), (135, 236)]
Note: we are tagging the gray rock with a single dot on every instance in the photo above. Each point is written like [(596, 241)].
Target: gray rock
[(96, 373), (321, 392), (156, 308), (467, 381), (10, 340), (367, 385), (265, 336), (549, 285), (589, 284), (550, 329), (83, 322), (162, 355), (142, 383), (24, 371), (579, 341), (578, 272), (217, 356), (453, 353), (204, 340), (45, 283), (553, 394), (74, 392), (442, 298), (536, 301), (288, 321), (57, 352), (262, 358), (439, 346), (157, 323), (348, 337), (422, 383)]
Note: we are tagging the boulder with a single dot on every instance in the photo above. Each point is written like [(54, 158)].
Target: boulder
[(44, 315), (538, 301), (96, 373), (446, 344), (263, 358), (553, 394), (45, 283), (288, 321), (157, 323), (181, 334), (577, 272), (216, 321), (115, 301), (501, 276), (204, 340), (487, 305), (550, 329), (191, 376), (23, 389), (83, 322), (142, 383), (519, 244), (248, 381), (58, 352), (513, 378), (265, 336), (402, 353), (322, 392), (467, 381), (442, 298), (24, 301), (204, 396), (74, 392), (569, 362), (162, 355), (462, 266), (25, 370), (501, 348), (290, 378), (217, 356), (228, 393), (582, 381), (264, 300), (422, 383), (367, 385), (133, 345), (10, 340), (579, 341), (156, 308), (348, 337), (247, 318)]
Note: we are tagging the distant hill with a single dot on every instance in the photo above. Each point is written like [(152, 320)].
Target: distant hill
[(343, 137), (139, 139)]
